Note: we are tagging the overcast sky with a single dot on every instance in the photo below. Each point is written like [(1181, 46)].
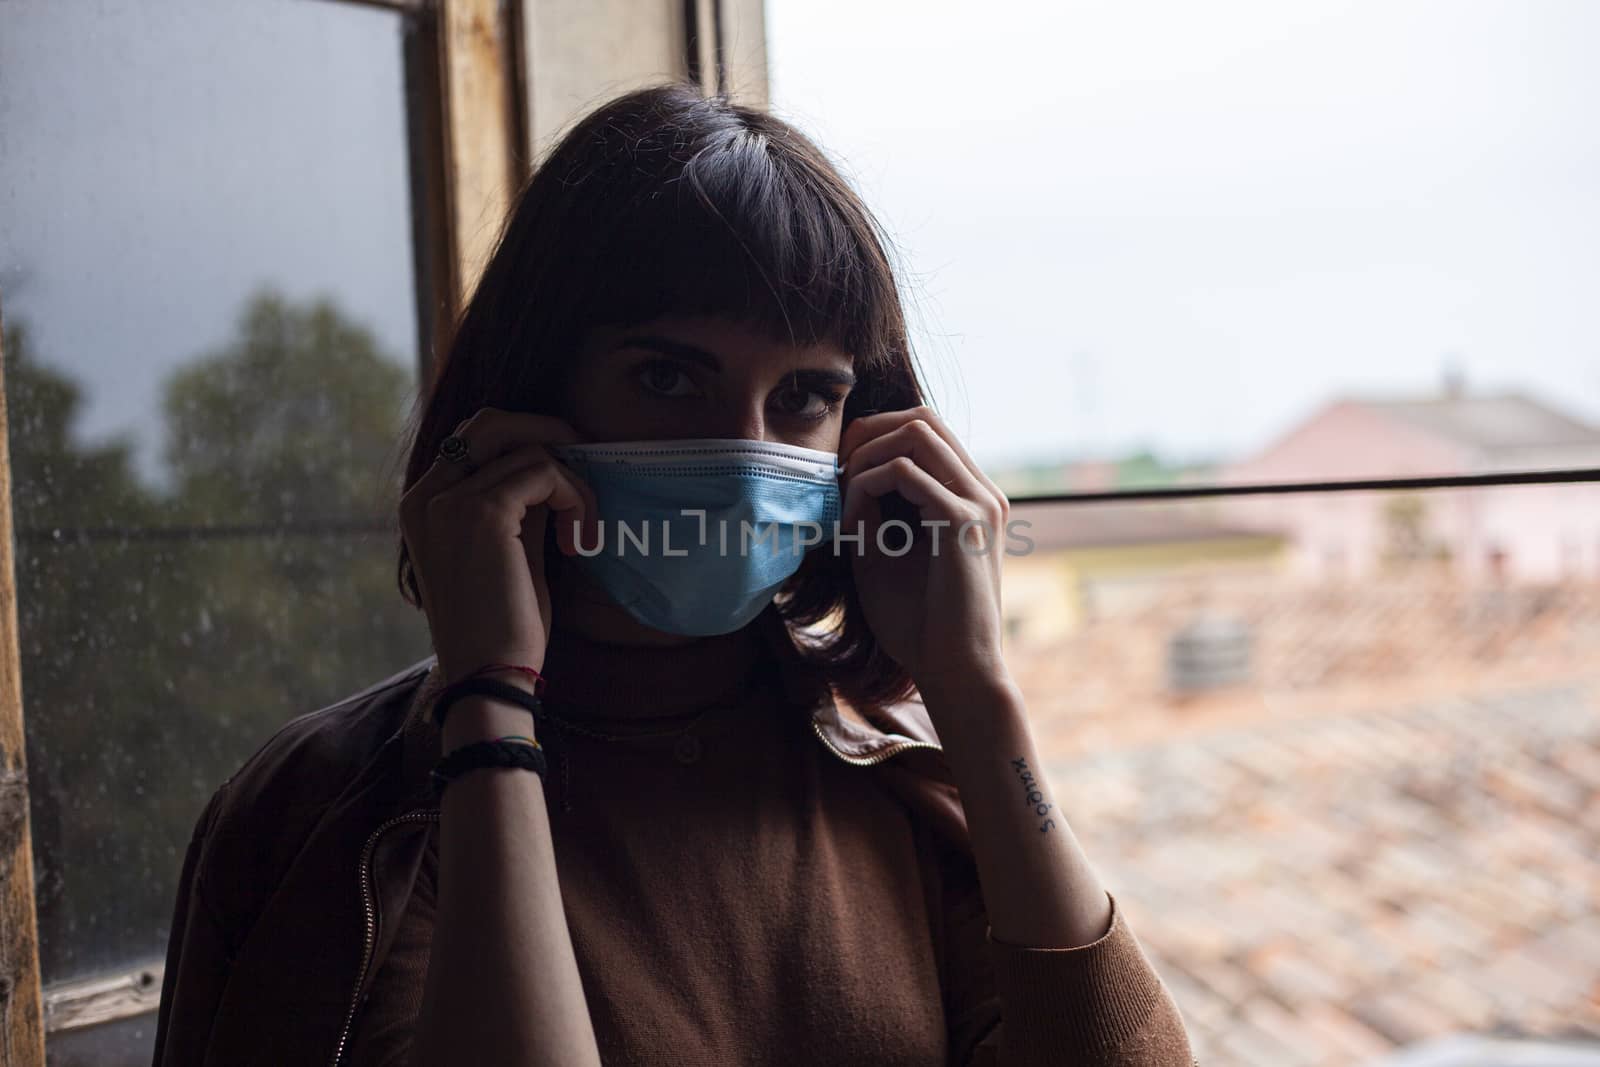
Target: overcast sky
[(1186, 224), (159, 162), (1122, 223)]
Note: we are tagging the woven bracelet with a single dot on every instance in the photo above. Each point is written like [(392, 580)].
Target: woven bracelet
[(481, 754), (483, 687)]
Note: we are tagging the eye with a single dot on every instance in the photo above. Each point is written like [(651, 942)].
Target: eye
[(665, 378), (809, 403)]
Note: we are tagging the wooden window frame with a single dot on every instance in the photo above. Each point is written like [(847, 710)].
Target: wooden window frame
[(467, 147)]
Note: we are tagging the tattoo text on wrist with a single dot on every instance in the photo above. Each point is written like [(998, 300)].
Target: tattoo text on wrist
[(1033, 795)]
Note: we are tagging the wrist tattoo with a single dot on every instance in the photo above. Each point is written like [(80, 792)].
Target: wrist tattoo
[(1033, 795)]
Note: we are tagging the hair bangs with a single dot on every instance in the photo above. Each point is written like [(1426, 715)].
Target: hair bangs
[(735, 234)]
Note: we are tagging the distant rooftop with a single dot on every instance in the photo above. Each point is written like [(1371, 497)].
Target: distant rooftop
[(1490, 423)]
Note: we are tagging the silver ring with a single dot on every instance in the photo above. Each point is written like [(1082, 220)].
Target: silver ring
[(454, 448)]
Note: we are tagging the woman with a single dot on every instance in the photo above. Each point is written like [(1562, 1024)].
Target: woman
[(791, 793)]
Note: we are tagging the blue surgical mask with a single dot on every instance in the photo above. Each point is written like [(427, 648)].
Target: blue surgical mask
[(697, 536)]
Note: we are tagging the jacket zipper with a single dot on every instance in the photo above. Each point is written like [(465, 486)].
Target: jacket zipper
[(368, 850), (878, 756), (370, 907)]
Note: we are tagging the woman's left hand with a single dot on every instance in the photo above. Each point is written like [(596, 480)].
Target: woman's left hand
[(936, 607)]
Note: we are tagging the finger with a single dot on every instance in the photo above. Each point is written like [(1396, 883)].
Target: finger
[(584, 523), (519, 505), (900, 474), (920, 442), (586, 516), (864, 428), (867, 427), (489, 433), (567, 504), (492, 432), (518, 475)]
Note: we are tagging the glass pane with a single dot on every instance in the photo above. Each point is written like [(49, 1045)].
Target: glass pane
[(1337, 755), (124, 1043), (209, 292), (1160, 242)]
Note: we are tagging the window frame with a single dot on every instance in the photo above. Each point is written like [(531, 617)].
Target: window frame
[(467, 146)]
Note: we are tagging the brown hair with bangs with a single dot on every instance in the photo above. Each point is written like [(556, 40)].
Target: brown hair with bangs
[(664, 201)]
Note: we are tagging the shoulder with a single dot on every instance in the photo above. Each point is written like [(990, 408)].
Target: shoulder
[(260, 816), (309, 760)]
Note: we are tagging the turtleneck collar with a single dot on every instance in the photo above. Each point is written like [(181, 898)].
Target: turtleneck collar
[(601, 679), (596, 677), (799, 684)]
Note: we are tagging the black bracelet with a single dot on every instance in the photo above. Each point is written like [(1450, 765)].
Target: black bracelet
[(478, 684), (485, 754)]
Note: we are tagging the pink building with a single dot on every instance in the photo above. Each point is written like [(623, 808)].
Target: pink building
[(1541, 533)]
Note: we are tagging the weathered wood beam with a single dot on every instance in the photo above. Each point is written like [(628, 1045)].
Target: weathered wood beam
[(103, 998), (21, 1008), (478, 60)]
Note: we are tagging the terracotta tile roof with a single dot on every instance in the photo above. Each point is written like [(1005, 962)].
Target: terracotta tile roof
[(1322, 890)]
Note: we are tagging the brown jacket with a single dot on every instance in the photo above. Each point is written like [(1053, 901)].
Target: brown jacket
[(295, 862)]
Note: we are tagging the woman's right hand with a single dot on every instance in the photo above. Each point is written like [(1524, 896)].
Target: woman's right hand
[(476, 540)]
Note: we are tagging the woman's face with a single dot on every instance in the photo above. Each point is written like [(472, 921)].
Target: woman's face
[(677, 377)]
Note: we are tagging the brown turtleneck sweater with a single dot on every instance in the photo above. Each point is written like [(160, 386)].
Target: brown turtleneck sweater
[(749, 898)]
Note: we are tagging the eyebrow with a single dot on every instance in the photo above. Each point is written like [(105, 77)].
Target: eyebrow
[(696, 354)]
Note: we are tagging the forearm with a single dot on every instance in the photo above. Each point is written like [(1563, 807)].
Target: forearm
[(1038, 885), (503, 985)]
